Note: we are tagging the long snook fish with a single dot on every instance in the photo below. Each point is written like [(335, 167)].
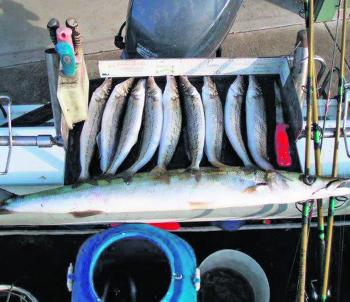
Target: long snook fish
[(216, 189)]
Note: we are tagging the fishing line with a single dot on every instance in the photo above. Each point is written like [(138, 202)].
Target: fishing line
[(290, 63), (347, 65), (341, 201), (298, 206), (292, 267), (331, 71)]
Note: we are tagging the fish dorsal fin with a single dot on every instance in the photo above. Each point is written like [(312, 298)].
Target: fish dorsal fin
[(98, 142)]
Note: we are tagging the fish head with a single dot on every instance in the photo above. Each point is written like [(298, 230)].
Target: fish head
[(187, 88), (254, 87), (209, 87), (305, 189), (185, 83), (151, 82), (171, 86), (138, 91), (237, 87), (126, 86), (327, 187), (103, 90), (208, 81), (152, 88)]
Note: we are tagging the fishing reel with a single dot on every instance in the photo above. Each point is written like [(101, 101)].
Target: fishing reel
[(315, 288), (14, 293)]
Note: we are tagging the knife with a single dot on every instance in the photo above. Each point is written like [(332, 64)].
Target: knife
[(52, 26)]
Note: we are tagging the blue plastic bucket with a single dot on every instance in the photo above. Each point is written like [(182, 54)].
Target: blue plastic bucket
[(179, 255)]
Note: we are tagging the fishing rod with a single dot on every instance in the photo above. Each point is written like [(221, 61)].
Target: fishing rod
[(303, 250), (317, 135), (309, 17), (316, 130), (326, 110), (332, 200)]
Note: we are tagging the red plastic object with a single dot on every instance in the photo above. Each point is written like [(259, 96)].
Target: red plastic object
[(282, 146), (167, 226)]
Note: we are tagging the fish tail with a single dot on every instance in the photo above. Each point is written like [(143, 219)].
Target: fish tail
[(83, 176), (4, 206), (103, 168), (126, 176), (109, 173), (105, 163), (218, 164), (113, 168), (159, 170), (4, 211), (196, 171), (248, 164), (161, 173), (265, 165)]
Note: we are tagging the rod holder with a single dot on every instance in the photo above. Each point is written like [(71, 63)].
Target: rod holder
[(41, 141), (322, 70)]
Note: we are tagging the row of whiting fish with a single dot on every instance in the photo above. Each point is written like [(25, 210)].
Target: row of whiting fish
[(161, 115)]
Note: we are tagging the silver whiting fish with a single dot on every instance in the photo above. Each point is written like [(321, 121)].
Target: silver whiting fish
[(233, 117), (214, 119), (195, 122), (256, 124), (92, 126), (171, 129), (111, 123), (153, 121), (131, 125)]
